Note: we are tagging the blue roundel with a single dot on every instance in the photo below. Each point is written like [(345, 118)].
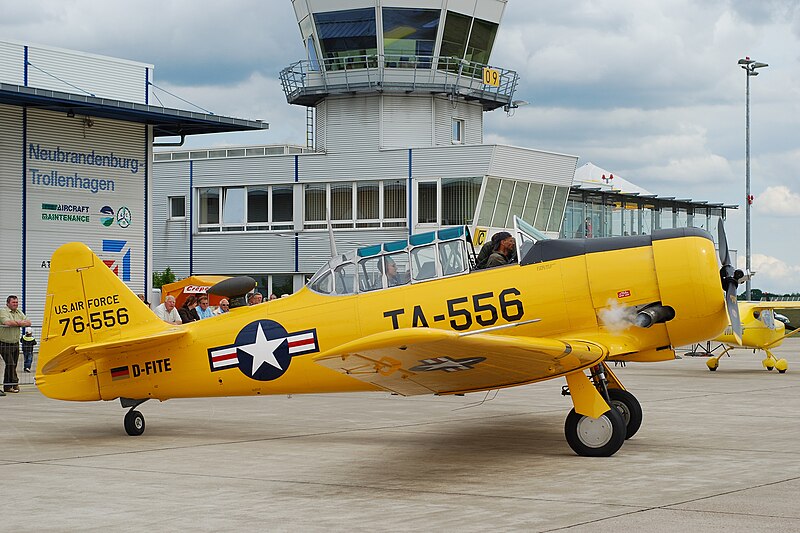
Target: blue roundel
[(262, 348)]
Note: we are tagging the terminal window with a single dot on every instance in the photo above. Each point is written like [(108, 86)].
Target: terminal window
[(458, 131), (177, 207)]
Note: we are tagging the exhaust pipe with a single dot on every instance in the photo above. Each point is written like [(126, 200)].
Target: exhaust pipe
[(654, 315)]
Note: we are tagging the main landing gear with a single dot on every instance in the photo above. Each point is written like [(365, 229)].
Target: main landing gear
[(769, 362), (134, 420), (604, 435), (781, 365)]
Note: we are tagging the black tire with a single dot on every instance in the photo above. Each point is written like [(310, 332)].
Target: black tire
[(134, 423), (590, 437), (630, 409)]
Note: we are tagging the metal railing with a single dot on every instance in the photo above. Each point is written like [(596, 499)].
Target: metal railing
[(306, 82)]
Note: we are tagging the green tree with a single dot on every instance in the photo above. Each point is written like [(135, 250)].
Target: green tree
[(163, 278)]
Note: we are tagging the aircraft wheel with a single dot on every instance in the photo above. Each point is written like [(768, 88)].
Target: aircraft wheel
[(630, 409), (782, 365), (134, 423), (595, 437), (712, 364)]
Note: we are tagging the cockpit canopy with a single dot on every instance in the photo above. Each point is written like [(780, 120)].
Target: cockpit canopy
[(436, 254)]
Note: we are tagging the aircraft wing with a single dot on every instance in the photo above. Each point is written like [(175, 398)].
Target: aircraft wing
[(776, 305), (75, 356), (424, 360)]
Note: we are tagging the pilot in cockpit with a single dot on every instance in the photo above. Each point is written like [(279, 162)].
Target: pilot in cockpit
[(393, 277)]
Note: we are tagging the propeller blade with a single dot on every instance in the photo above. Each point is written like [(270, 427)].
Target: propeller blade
[(724, 253), (733, 311)]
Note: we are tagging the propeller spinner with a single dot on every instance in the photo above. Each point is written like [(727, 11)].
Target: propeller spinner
[(731, 278)]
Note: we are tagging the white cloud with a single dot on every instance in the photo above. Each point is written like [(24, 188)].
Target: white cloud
[(772, 274), (778, 201)]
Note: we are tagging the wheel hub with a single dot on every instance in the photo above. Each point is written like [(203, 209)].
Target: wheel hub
[(595, 432), (623, 410)]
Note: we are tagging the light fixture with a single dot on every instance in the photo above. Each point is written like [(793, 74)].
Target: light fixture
[(509, 108), (749, 66)]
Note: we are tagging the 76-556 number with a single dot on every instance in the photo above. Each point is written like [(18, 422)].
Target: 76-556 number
[(97, 320)]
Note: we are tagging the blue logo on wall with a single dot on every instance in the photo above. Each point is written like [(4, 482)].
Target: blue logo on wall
[(106, 215), (118, 247)]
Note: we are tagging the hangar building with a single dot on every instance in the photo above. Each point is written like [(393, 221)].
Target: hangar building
[(76, 138)]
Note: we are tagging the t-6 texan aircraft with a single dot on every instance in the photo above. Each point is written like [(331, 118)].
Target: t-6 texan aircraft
[(407, 317)]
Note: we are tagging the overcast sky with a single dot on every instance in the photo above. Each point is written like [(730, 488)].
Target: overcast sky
[(647, 89)]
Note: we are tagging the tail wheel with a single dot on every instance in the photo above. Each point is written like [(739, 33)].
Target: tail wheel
[(134, 423), (595, 437), (630, 409)]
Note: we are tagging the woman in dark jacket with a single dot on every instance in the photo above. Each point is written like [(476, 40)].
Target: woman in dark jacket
[(187, 311)]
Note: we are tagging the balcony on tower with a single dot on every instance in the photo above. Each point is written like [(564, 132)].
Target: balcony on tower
[(363, 47)]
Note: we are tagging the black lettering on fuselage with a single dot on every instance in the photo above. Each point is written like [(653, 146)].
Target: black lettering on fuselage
[(394, 313), (419, 320)]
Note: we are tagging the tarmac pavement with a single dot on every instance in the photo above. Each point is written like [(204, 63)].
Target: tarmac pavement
[(716, 452)]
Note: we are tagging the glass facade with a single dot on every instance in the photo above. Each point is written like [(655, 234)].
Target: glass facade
[(611, 214), (539, 205)]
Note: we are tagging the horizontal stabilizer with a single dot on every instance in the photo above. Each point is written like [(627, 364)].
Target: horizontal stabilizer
[(75, 356)]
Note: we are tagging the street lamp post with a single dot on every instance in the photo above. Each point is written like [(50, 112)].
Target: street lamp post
[(749, 66)]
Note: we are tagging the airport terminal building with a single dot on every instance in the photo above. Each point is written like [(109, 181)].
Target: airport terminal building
[(76, 138)]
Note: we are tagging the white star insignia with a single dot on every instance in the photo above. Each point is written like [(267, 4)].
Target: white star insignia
[(263, 350)]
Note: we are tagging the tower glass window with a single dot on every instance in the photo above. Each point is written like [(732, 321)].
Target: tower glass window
[(347, 37), (480, 41), (454, 40), (409, 33)]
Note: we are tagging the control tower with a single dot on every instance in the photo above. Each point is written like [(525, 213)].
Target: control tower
[(397, 73), (396, 92)]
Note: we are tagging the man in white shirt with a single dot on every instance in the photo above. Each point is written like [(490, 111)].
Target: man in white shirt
[(167, 311)]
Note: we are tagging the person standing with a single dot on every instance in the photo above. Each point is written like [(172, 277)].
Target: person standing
[(11, 320), (28, 342), (167, 311)]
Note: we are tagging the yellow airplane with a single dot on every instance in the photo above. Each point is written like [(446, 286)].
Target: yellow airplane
[(409, 317), (760, 331)]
